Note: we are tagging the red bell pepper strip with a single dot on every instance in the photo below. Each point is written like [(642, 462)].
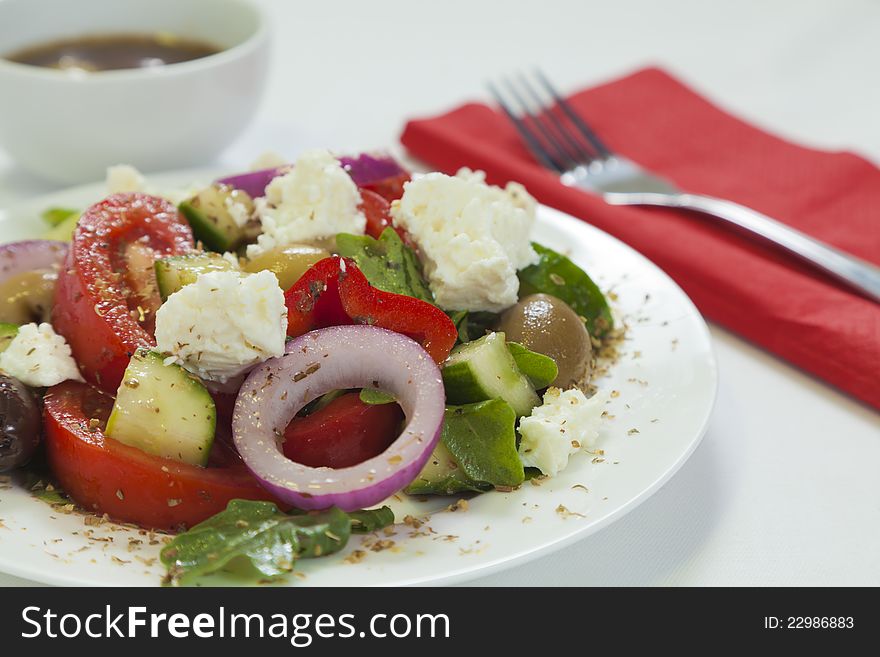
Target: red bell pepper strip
[(334, 292)]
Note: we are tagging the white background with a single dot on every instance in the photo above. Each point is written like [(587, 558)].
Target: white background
[(784, 489)]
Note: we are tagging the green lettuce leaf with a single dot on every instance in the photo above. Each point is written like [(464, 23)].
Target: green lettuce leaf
[(269, 540), (557, 275), (54, 216), (388, 263), (371, 520), (540, 369), (472, 325), (482, 439)]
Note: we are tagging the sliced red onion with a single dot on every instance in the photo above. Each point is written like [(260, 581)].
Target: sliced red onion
[(254, 182), (366, 169), (330, 359), (20, 257)]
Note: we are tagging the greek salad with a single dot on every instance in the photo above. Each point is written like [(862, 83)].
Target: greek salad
[(257, 364)]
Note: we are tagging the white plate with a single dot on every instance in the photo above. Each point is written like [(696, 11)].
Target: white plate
[(665, 381)]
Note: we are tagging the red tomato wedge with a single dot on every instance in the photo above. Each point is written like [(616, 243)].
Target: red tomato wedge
[(343, 433), (105, 476), (378, 213), (106, 294)]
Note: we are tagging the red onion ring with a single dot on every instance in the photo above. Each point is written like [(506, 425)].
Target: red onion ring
[(20, 257), (329, 359)]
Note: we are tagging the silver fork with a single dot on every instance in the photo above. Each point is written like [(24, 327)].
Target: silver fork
[(563, 142)]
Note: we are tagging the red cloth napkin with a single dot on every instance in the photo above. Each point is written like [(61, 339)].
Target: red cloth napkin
[(755, 291)]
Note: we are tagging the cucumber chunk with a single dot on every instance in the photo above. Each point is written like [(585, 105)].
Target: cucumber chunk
[(485, 369), (163, 411), (7, 335), (173, 272), (210, 216)]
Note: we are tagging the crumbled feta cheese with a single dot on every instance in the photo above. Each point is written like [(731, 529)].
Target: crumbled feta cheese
[(39, 357), (565, 423), (239, 211), (317, 199), (124, 178), (472, 237), (223, 324), (267, 160)]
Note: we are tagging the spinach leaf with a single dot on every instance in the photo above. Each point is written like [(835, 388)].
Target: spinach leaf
[(557, 275), (472, 325), (258, 532), (370, 520), (540, 369), (443, 476), (388, 263), (482, 440)]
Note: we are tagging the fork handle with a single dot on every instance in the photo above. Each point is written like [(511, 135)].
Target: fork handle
[(858, 274)]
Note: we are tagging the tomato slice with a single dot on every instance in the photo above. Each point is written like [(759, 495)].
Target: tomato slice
[(106, 294), (105, 476), (343, 433), (378, 213)]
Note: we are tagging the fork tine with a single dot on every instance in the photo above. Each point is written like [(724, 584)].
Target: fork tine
[(562, 155), (530, 138), (581, 125), (578, 150)]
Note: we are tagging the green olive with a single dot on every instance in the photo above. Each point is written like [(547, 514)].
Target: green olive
[(28, 297), (287, 262), (548, 325)]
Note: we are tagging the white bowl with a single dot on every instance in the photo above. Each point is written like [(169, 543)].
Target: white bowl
[(70, 127)]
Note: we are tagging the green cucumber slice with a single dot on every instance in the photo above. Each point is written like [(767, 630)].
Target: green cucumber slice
[(173, 272), (485, 369), (160, 409), (209, 216)]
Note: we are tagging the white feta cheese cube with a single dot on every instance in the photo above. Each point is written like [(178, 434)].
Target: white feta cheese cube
[(39, 357), (472, 237), (565, 423), (223, 324), (315, 200)]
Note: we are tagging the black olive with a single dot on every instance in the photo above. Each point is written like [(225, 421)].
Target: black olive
[(20, 424)]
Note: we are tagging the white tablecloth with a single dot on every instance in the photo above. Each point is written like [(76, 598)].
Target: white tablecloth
[(784, 488)]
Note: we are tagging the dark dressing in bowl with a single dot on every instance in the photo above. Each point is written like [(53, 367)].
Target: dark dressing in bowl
[(113, 52)]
